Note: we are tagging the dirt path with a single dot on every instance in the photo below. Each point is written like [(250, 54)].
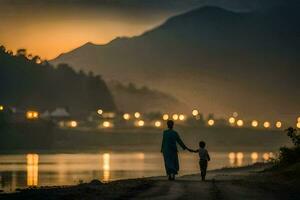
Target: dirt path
[(226, 184), (221, 185)]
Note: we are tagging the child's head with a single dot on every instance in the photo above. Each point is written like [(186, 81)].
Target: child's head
[(202, 144)]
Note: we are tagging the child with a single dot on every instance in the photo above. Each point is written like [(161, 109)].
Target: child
[(204, 158)]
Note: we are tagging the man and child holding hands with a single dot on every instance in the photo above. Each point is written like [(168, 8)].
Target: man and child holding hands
[(170, 152)]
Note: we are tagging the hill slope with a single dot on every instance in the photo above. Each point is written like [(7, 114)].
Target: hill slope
[(211, 58), (131, 98), (28, 85)]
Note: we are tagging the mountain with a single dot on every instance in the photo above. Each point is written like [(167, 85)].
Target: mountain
[(214, 59), (131, 98), (26, 83)]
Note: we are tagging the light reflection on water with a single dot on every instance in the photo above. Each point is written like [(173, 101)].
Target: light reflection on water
[(19, 171)]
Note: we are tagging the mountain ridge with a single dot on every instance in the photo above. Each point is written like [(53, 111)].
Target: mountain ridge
[(202, 55)]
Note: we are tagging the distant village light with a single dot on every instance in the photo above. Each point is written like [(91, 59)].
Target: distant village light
[(175, 117), (137, 115), (32, 115), (298, 125), (231, 120), (195, 112), (1, 107), (141, 123), (267, 124), (165, 117), (181, 117), (157, 124), (254, 123), (278, 124), (126, 116), (106, 124), (298, 120), (211, 122), (100, 112), (240, 123), (73, 124)]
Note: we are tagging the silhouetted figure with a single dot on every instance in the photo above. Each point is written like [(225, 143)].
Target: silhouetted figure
[(204, 158), (169, 150)]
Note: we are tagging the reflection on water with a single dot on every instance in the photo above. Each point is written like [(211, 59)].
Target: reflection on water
[(254, 157), (32, 169), (236, 159), (106, 167), (19, 171)]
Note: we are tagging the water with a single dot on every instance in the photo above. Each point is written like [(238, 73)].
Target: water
[(25, 170)]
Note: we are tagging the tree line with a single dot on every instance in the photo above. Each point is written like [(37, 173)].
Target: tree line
[(27, 82)]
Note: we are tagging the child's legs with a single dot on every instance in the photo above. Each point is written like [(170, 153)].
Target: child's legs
[(203, 167)]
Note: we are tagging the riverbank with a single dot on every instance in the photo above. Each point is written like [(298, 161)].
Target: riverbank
[(251, 182)]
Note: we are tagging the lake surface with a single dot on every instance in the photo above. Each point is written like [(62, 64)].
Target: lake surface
[(26, 170)]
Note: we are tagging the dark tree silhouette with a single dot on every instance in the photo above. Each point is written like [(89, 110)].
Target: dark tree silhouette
[(31, 83)]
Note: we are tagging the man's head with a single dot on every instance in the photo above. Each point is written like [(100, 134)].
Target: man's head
[(170, 124), (202, 144)]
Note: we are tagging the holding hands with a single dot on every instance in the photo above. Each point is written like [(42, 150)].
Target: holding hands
[(191, 150)]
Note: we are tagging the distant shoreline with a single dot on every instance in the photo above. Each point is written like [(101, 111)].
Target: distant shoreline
[(57, 141)]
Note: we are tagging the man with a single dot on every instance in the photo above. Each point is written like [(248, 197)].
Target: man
[(169, 150)]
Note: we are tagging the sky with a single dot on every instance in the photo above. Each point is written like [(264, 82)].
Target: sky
[(51, 27)]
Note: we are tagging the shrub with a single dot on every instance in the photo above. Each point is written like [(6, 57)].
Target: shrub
[(290, 155)]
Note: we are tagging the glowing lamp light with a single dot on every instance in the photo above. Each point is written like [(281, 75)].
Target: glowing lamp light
[(278, 124), (195, 112), (231, 120), (126, 116), (141, 123), (181, 117), (298, 120), (73, 124), (211, 122), (175, 117), (32, 115), (267, 124), (100, 112), (106, 124), (254, 156), (254, 123), (1, 107), (165, 117), (235, 114), (240, 123), (137, 115), (298, 125), (239, 155), (266, 156), (157, 124), (35, 115)]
